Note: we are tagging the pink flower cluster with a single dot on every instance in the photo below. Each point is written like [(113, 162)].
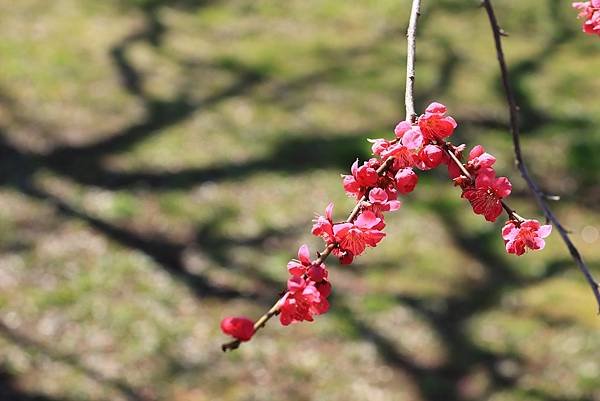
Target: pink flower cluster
[(589, 11), (307, 289), (525, 234), (481, 187), (376, 185)]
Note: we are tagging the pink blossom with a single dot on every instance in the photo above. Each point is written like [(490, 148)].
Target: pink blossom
[(323, 225), (528, 234), (486, 195), (413, 138), (401, 128), (590, 13), (362, 178), (303, 265), (379, 201), (479, 158), (241, 327), (405, 157), (434, 124), (303, 300), (430, 157), (355, 237), (406, 180), (379, 146)]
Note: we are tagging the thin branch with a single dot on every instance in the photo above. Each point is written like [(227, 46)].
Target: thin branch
[(539, 195), (411, 36), (410, 116)]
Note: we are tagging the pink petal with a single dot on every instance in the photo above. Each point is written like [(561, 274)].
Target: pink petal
[(295, 268), (401, 128), (436, 107), (341, 229), (304, 254), (502, 187), (394, 205), (538, 243), (354, 167), (477, 151), (329, 211), (545, 230), (413, 139), (485, 178), (367, 219)]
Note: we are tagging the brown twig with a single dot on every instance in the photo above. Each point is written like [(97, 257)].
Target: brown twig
[(410, 116), (539, 195), (411, 36)]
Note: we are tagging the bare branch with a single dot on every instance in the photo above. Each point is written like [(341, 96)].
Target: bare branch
[(539, 195), (411, 36)]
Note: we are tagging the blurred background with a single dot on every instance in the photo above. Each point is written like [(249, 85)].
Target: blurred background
[(161, 161)]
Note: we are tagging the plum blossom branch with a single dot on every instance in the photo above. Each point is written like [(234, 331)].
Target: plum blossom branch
[(419, 143), (322, 256), (539, 195), (511, 212), (231, 325)]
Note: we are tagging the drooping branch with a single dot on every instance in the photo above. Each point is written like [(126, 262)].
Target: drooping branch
[(274, 311), (410, 116), (411, 39), (539, 195)]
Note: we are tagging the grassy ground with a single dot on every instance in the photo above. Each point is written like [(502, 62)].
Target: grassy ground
[(160, 161)]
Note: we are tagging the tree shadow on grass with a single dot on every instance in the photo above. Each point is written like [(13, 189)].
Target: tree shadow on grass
[(450, 323), (11, 391), (73, 361), (294, 154)]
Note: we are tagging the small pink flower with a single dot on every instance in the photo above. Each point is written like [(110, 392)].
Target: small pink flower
[(478, 158), (406, 180), (323, 225), (487, 193), (401, 128), (413, 138), (434, 124), (590, 13), (430, 157), (528, 234), (379, 201), (379, 146), (405, 157), (355, 237), (303, 265), (362, 178), (303, 300), (241, 327)]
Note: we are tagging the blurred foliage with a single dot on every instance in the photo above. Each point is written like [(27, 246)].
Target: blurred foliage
[(160, 162)]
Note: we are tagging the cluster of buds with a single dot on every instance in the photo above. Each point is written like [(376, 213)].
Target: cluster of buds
[(376, 185)]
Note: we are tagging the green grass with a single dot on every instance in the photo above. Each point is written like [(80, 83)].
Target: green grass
[(156, 155)]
